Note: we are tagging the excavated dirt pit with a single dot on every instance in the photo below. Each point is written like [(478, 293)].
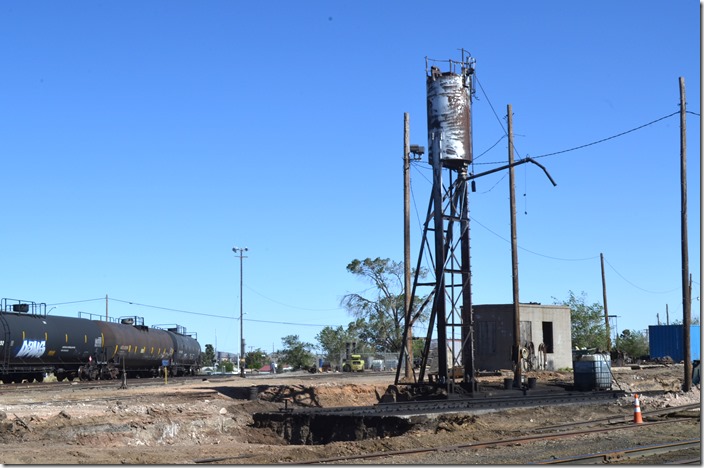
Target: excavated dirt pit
[(151, 422)]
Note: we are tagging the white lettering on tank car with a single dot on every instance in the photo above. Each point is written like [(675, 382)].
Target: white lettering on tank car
[(32, 348)]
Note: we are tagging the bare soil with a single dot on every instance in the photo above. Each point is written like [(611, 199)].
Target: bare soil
[(187, 421)]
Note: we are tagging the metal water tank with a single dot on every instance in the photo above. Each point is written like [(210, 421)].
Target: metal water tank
[(448, 103)]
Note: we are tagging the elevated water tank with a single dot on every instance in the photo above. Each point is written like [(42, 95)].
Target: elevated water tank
[(448, 99)]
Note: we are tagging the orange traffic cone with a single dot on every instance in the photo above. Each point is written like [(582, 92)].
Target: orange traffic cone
[(637, 417)]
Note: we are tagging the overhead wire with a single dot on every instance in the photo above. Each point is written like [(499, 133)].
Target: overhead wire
[(636, 286), (556, 153), (288, 305), (574, 260), (606, 139), (213, 315), (169, 309), (530, 251), (489, 149), (76, 302), (498, 119)]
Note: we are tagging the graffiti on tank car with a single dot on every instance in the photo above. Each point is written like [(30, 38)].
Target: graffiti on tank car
[(32, 348)]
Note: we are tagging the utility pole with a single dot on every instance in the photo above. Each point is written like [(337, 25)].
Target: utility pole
[(106, 307), (241, 250), (686, 295), (514, 258), (606, 307), (667, 313), (407, 242)]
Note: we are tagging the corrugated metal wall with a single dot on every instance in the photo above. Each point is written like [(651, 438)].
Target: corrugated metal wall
[(667, 340)]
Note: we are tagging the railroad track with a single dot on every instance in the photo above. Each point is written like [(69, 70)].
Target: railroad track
[(92, 384), (613, 456), (626, 454), (608, 457)]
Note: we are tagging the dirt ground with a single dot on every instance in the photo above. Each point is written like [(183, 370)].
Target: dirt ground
[(184, 422)]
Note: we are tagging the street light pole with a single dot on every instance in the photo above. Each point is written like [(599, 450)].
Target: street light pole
[(241, 251)]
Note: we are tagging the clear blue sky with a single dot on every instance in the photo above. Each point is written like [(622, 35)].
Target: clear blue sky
[(141, 141)]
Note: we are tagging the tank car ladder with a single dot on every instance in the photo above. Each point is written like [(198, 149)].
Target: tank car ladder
[(5, 344)]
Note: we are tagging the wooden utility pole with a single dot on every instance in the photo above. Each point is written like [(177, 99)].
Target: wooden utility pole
[(686, 295), (407, 242), (514, 258), (606, 307), (106, 307), (667, 314)]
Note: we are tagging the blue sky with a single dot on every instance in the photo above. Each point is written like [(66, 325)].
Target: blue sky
[(141, 141)]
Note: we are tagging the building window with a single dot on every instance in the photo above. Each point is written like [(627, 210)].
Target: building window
[(547, 337)]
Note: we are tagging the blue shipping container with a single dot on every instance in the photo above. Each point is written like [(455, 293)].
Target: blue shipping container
[(667, 340)]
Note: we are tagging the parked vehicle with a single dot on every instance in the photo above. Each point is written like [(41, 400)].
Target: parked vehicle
[(357, 363)]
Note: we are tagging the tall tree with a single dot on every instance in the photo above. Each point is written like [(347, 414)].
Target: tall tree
[(255, 359), (207, 359), (296, 353), (634, 343), (333, 341), (383, 314), (588, 327)]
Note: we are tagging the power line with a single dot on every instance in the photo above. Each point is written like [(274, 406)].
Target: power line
[(576, 260), (608, 138), (489, 101), (76, 302), (213, 315), (638, 287), (171, 310), (490, 148), (530, 251), (288, 305), (595, 142), (495, 115), (290, 323)]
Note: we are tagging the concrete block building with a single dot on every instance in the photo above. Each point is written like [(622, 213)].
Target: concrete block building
[(545, 333)]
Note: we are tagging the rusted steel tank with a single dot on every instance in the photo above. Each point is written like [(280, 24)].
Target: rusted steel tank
[(449, 114), (186, 357), (130, 343)]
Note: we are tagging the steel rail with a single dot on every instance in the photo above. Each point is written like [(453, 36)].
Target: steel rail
[(621, 419), (625, 454), (686, 461), (476, 445), (93, 384)]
